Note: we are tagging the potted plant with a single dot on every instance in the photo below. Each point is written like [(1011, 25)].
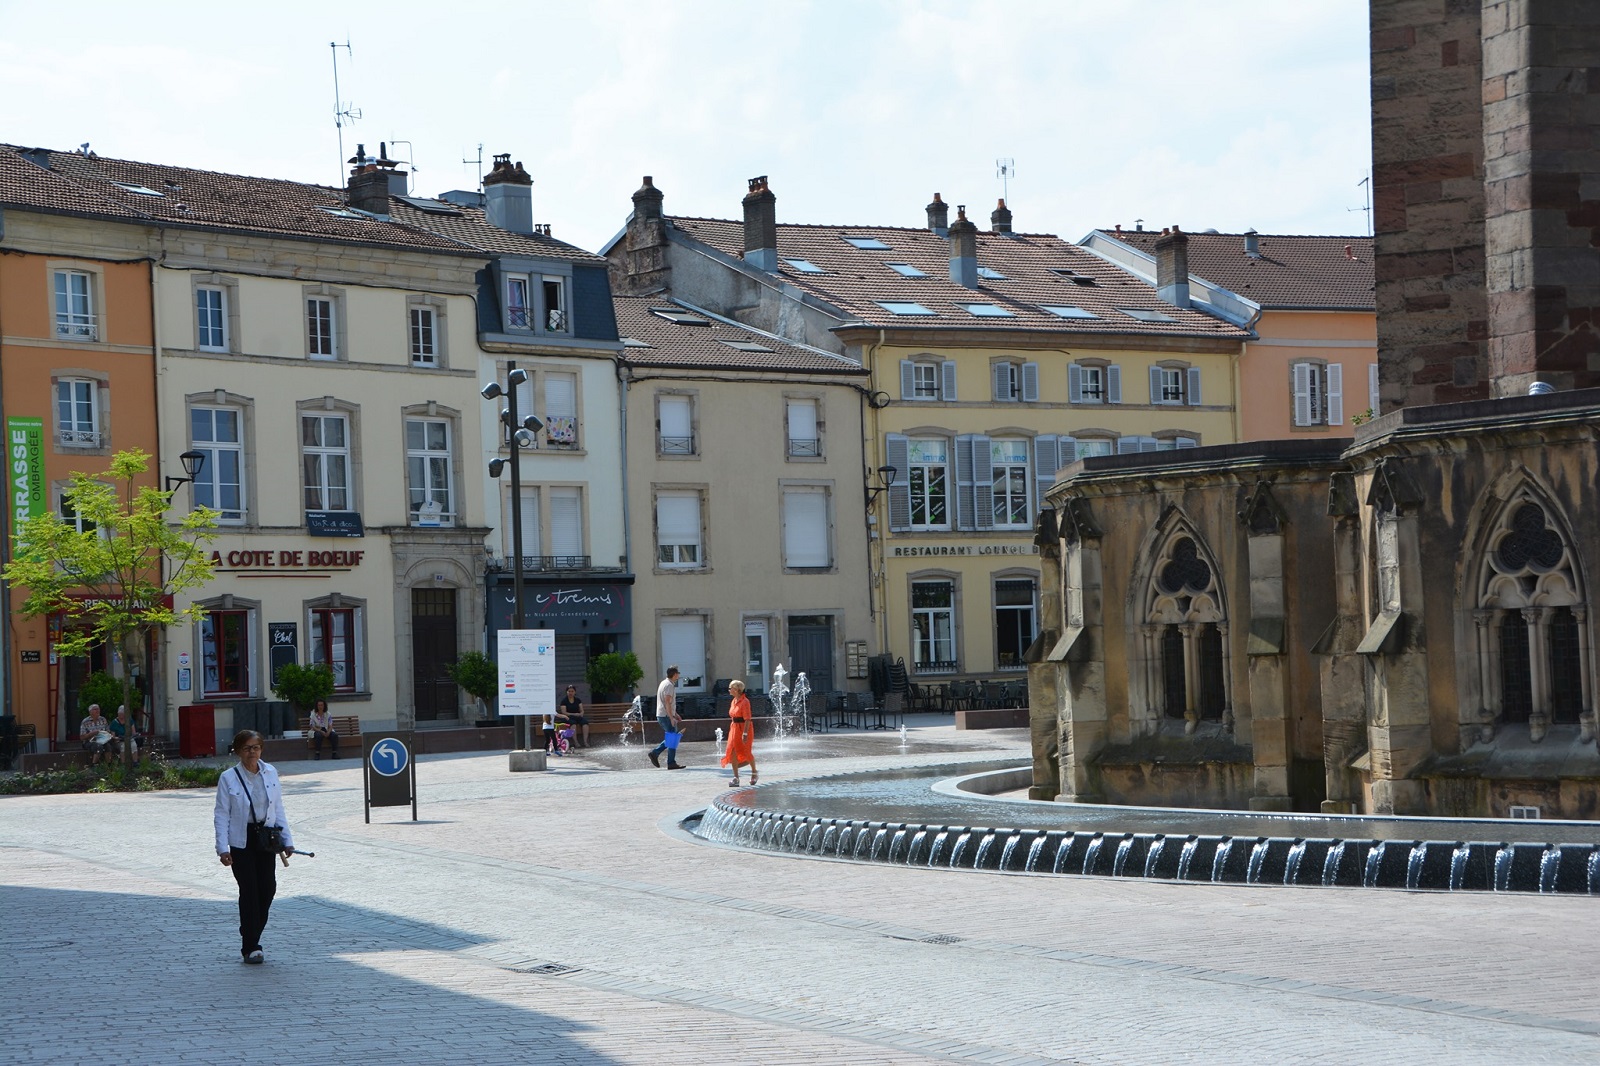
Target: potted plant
[(478, 676), (100, 687), (302, 686), (612, 675)]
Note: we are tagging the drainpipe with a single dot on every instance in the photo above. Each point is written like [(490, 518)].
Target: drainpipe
[(1238, 385), (872, 439), (627, 525), (157, 370)]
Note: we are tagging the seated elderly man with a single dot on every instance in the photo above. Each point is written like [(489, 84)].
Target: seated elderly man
[(89, 732), (122, 729)]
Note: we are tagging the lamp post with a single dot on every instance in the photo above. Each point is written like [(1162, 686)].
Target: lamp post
[(193, 463), (886, 476), (520, 432)]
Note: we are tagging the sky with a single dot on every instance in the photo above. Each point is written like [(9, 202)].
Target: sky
[(1224, 114)]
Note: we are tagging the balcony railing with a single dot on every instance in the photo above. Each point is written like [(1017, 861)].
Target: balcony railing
[(936, 666), (546, 563), (801, 448), (78, 328), (677, 445), (80, 438)]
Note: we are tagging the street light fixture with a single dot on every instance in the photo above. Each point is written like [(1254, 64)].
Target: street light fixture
[(193, 463), (521, 436), (886, 474)]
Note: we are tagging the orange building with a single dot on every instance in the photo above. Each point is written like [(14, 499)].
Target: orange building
[(77, 383)]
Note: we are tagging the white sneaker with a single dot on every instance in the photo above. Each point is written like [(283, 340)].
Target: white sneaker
[(255, 958)]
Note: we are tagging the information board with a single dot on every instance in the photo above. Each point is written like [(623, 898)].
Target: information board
[(527, 661)]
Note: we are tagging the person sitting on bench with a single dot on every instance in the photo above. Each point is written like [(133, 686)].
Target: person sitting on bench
[(321, 723), (90, 732), (122, 729)]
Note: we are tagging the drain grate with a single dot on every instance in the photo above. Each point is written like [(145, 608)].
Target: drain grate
[(941, 938), (548, 969)]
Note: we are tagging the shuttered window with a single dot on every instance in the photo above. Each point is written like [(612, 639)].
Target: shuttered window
[(805, 528)]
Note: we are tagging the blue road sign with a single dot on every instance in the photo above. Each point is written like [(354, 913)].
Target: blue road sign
[(389, 757)]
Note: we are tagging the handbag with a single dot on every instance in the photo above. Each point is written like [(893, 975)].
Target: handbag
[(257, 835)]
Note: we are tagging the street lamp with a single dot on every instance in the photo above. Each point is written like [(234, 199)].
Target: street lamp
[(521, 436), (886, 474), (193, 463)]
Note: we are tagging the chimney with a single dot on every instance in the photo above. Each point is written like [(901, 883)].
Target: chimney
[(647, 201), (508, 196), (964, 250), (1172, 267), (761, 226), (1000, 218), (939, 216), (1252, 244), (643, 265), (373, 181)]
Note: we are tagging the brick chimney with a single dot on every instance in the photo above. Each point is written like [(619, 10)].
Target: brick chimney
[(640, 262), (508, 196), (939, 216), (761, 226), (1000, 218), (964, 250), (374, 180), (1172, 267)]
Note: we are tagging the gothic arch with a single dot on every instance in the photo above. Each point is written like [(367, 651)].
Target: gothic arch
[(1182, 620)]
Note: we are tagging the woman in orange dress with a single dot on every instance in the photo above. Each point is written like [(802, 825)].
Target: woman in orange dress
[(740, 731)]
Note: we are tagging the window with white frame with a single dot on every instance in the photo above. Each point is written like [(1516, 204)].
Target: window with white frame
[(336, 643), (683, 644), (69, 514), (927, 379), (424, 323), (75, 311), (675, 423), (1008, 462), (561, 409), (78, 413), (806, 543), (325, 461), (933, 626), (1015, 621), (1094, 382), (429, 461), (554, 291), (320, 325), (1175, 384), (928, 481), (1318, 393), (519, 314), (804, 428), (218, 434), (1015, 381), (227, 652), (566, 527), (678, 525), (211, 318), (1088, 446)]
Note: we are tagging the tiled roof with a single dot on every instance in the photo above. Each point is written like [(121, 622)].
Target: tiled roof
[(1290, 271), (107, 188), (857, 281), (707, 347)]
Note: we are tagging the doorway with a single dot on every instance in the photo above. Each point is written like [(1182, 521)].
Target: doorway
[(433, 649), (811, 650)]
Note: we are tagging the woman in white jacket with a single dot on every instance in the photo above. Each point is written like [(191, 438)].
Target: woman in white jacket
[(250, 793)]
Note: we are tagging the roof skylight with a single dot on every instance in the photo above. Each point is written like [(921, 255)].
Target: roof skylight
[(682, 318), (344, 212), (634, 342), (432, 207), (1061, 311), (1074, 277), (987, 311), (1146, 316), (140, 189), (747, 346), (905, 270), (903, 307), (991, 275), (871, 244), (805, 266)]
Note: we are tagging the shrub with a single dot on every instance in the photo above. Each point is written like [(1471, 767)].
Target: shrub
[(477, 675), (148, 775), (100, 687), (303, 686), (613, 673)]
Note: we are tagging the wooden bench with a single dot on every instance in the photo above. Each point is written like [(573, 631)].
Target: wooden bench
[(348, 726), (608, 719)]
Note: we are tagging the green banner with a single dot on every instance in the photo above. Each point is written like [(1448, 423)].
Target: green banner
[(25, 468)]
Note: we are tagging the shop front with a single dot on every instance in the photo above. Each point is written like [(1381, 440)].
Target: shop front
[(589, 618)]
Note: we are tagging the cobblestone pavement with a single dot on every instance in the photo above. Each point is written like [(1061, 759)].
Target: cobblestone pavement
[(562, 918)]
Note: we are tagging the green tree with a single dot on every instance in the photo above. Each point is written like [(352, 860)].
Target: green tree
[(303, 686), (114, 583), (477, 675), (613, 673)]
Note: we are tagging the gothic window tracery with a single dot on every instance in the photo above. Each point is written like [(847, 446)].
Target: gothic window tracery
[(1185, 632)]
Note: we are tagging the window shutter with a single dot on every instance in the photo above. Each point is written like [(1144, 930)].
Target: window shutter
[(1193, 392), (1150, 444), (1301, 377), (1030, 382), (1000, 381), (982, 483), (947, 381), (524, 399), (566, 523), (805, 529), (530, 524), (964, 500), (1127, 445), (1074, 383), (908, 379), (683, 644), (1046, 461), (560, 396), (802, 420), (678, 518), (1372, 389), (1155, 384), (675, 418), (1335, 394), (896, 451), (1187, 442), (1113, 384)]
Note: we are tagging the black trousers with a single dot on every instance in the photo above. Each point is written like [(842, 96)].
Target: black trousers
[(258, 883)]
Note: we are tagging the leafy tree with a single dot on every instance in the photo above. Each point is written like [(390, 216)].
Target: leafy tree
[(303, 686), (613, 673), (477, 675), (113, 583), (100, 687)]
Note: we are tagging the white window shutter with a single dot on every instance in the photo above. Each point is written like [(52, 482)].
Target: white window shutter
[(1113, 384), (896, 451), (678, 518), (1301, 378), (805, 529), (908, 379), (676, 419), (560, 396), (1335, 394), (982, 483), (1193, 392), (1030, 382), (1046, 461), (1000, 378), (964, 475), (1074, 383), (566, 523), (683, 644), (525, 398), (1127, 445), (1155, 384), (530, 524), (1186, 442), (802, 419), (947, 381)]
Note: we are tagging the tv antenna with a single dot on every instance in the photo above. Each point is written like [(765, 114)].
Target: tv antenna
[(1365, 184), (479, 162), (1005, 170), (343, 110), (411, 151)]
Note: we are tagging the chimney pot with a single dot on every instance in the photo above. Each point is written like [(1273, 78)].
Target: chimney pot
[(508, 196), (939, 215), (647, 200), (1000, 218), (1172, 267), (761, 226)]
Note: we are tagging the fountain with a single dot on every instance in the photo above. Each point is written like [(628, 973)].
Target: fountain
[(634, 718)]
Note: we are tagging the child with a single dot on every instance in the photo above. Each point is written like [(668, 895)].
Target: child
[(551, 721)]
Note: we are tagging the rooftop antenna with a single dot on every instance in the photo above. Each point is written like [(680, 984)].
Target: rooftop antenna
[(479, 162), (410, 154), (1005, 170), (1365, 184), (343, 110)]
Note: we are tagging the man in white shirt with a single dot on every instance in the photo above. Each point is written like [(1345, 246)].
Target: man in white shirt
[(667, 718)]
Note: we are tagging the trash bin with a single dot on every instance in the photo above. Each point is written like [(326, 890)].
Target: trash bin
[(248, 714), (197, 730), (280, 716)]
